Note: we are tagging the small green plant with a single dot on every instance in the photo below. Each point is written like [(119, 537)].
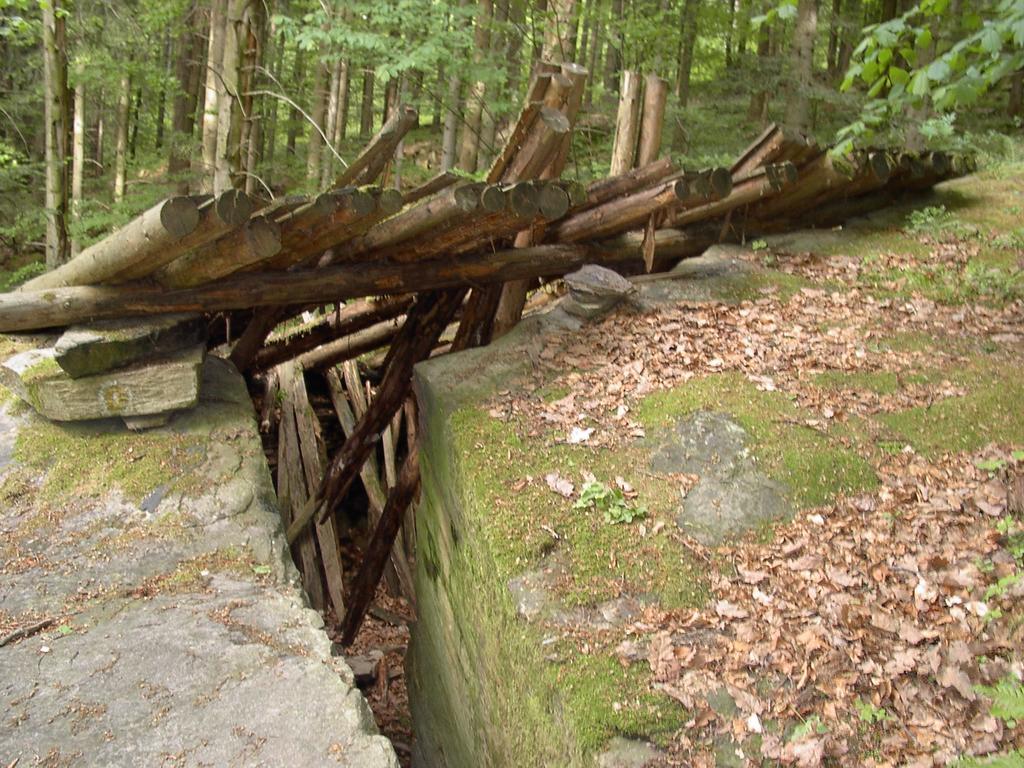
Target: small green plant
[(936, 221), (869, 713), (1013, 759), (1007, 700), (1009, 528), (759, 245), (611, 501), (812, 726), (991, 465)]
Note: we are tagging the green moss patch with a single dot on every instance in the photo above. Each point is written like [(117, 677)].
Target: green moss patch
[(604, 559), (91, 459), (815, 467), (990, 411), (880, 382)]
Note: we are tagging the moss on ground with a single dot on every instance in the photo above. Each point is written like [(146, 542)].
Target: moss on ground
[(603, 559), (990, 411), (90, 459), (815, 467), (880, 382)]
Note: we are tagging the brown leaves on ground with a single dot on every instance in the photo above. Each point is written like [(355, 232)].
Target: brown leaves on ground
[(867, 624)]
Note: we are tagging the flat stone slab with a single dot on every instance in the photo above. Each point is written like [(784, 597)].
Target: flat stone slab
[(731, 495), (151, 388), (85, 350), (179, 632)]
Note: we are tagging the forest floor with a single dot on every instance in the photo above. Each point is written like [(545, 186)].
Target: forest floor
[(876, 373)]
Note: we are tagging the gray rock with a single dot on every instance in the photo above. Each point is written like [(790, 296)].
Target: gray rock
[(85, 350), (182, 635), (594, 291), (628, 753), (732, 495), (157, 387)]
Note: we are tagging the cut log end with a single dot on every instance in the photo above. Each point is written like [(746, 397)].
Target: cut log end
[(721, 182), (264, 237), (359, 201), (555, 120), (467, 197), (493, 199), (389, 201), (524, 200), (234, 207), (179, 216), (553, 201)]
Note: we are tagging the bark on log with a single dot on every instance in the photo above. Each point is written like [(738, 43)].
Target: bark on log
[(621, 214), (426, 321), (375, 155), (652, 118), (155, 235), (23, 311), (430, 187), (539, 84), (627, 123), (252, 244), (376, 555), (755, 186), (349, 319), (350, 347), (612, 187)]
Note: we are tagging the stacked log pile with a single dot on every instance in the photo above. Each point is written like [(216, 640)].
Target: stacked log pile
[(454, 259)]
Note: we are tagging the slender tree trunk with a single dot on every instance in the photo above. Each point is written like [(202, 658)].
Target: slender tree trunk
[(55, 83), (742, 29), (850, 35), (77, 158), (514, 56), (613, 57), (594, 47), (366, 111), (133, 143), (250, 121), (295, 121), (98, 133), (489, 119), (451, 123), (161, 99), (121, 146), (315, 146), (540, 10), (1015, 105), (469, 149), (228, 160), (344, 101), (798, 105), (689, 40), (889, 8), (270, 134), (728, 34), (331, 124), (211, 101), (758, 110), (187, 71)]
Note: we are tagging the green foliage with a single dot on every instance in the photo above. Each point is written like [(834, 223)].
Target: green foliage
[(759, 245), (1013, 759), (936, 221), (812, 726), (1007, 700), (21, 275), (907, 62), (869, 713), (611, 501)]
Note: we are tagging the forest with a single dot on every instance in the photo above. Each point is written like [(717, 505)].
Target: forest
[(108, 107)]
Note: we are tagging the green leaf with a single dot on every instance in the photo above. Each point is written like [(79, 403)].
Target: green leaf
[(261, 570), (898, 75), (939, 70)]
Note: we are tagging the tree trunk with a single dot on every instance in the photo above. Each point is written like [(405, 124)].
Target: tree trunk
[(652, 120), (121, 146), (559, 32), (211, 100), (98, 137), (594, 49), (55, 83), (757, 112), (470, 148), (451, 123), (77, 160), (250, 119), (187, 72), (514, 56), (331, 124), (742, 30), (688, 41), (798, 105), (490, 116), (344, 99), (295, 121), (849, 35), (627, 123), (270, 133), (728, 34), (227, 162), (161, 99), (613, 56), (1015, 105), (315, 147), (133, 142), (366, 111)]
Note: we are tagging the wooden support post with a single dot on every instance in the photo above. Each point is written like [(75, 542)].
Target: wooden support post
[(627, 123), (652, 120)]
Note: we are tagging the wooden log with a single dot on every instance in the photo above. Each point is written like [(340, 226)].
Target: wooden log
[(292, 495), (378, 152), (620, 214), (252, 244), (612, 187), (153, 237), (477, 325), (627, 123), (334, 218), (376, 555), (430, 187), (349, 319), (427, 319), (255, 334), (312, 459), (757, 185), (652, 118), (24, 311), (757, 152), (539, 83), (578, 75), (351, 346), (818, 177)]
